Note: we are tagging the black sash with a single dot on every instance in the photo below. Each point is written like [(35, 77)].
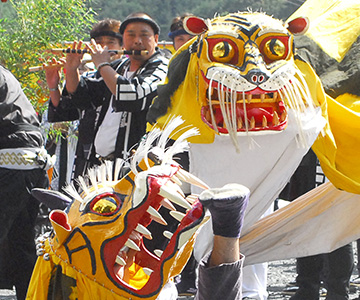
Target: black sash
[(10, 129)]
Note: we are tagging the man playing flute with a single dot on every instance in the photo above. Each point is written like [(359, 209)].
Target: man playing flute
[(128, 84)]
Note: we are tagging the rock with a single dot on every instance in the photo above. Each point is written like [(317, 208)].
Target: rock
[(337, 78)]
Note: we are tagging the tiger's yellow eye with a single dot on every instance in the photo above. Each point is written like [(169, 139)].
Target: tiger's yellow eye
[(105, 205), (223, 52), (274, 49)]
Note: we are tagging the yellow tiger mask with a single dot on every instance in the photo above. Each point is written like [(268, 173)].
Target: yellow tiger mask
[(239, 74), (96, 250)]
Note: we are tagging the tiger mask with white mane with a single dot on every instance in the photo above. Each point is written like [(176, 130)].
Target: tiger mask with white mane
[(237, 75), (258, 106), (246, 64), (97, 249)]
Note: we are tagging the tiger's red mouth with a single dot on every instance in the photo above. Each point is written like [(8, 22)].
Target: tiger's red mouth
[(252, 111), (128, 263), (100, 234)]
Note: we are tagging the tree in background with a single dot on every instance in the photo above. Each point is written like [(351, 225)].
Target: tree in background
[(28, 28), (164, 11)]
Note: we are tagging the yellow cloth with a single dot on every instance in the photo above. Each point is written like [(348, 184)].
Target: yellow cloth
[(334, 24), (85, 288), (138, 277), (340, 155), (185, 97)]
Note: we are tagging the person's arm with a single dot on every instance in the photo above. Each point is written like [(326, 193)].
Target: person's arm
[(72, 75), (72, 80), (87, 91), (60, 108), (110, 77), (101, 58), (220, 271), (226, 250), (53, 77), (137, 94), (133, 94), (20, 126), (227, 206)]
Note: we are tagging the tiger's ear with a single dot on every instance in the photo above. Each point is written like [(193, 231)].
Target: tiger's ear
[(195, 25), (52, 199), (298, 26)]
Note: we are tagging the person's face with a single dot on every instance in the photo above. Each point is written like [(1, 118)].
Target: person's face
[(181, 39), (140, 36), (111, 42)]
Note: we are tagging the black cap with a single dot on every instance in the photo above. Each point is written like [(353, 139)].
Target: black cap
[(139, 18)]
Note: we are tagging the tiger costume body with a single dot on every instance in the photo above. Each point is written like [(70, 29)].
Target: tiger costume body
[(96, 248), (257, 105)]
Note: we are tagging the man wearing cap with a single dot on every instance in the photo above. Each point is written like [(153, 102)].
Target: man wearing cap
[(124, 88), (105, 33)]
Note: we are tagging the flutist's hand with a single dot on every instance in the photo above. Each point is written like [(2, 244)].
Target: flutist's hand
[(98, 53), (53, 77), (53, 72), (73, 60), (101, 58)]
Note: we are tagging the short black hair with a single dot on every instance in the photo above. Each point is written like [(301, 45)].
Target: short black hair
[(140, 17), (177, 26), (106, 27), (177, 22)]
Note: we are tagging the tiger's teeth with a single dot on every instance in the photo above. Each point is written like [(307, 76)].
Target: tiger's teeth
[(248, 97), (191, 199), (262, 97), (210, 92), (189, 178), (283, 116), (252, 123), (264, 121), (167, 204), (208, 115), (275, 119), (239, 123), (180, 176), (176, 180), (174, 197), (275, 95), (158, 252), (156, 216), (132, 245), (144, 231), (175, 187), (185, 236), (147, 271), (177, 215), (167, 234), (120, 261), (124, 249)]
